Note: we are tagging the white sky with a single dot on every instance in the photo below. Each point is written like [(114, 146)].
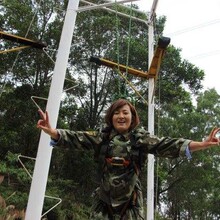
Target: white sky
[(194, 27)]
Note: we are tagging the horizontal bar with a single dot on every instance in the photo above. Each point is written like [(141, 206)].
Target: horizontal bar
[(118, 13), (101, 61), (14, 49), (86, 8), (163, 42), (153, 11), (22, 40)]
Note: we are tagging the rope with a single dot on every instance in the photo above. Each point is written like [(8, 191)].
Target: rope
[(118, 46), (117, 43), (45, 51), (132, 86), (15, 61), (124, 76), (128, 51), (5, 79), (32, 21), (158, 134), (129, 39), (72, 87)]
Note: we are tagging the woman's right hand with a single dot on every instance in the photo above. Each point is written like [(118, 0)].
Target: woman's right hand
[(44, 124)]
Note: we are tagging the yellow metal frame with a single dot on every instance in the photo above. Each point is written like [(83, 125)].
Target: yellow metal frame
[(21, 40), (154, 67), (157, 58), (122, 68)]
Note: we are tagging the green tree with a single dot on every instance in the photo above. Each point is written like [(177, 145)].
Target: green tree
[(188, 188), (106, 35)]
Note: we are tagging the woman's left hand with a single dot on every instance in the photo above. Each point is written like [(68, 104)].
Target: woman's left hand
[(212, 139)]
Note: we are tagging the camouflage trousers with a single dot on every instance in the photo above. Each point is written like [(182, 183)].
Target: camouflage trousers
[(127, 211)]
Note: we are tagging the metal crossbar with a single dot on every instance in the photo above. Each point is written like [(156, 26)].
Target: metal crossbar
[(86, 8), (21, 40), (119, 13)]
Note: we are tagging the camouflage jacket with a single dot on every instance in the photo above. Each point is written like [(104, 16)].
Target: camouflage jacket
[(118, 181)]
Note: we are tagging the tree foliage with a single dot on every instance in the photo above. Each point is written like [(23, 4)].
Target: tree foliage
[(188, 189)]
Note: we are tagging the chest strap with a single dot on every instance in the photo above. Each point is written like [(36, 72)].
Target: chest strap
[(118, 161)]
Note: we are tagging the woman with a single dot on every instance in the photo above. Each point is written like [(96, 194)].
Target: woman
[(121, 149)]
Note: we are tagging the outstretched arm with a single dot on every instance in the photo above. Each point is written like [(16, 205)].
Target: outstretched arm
[(44, 124), (67, 138), (210, 141)]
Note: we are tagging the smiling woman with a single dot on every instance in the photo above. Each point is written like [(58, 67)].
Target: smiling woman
[(122, 116), (121, 150), (122, 119)]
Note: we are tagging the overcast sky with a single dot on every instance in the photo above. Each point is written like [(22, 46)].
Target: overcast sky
[(194, 27)]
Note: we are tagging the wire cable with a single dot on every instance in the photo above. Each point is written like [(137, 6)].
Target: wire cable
[(15, 61)]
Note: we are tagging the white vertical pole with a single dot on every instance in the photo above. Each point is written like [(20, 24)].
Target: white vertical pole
[(150, 170), (41, 169)]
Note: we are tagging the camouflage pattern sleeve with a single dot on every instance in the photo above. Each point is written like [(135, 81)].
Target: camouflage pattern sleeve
[(161, 147), (81, 140)]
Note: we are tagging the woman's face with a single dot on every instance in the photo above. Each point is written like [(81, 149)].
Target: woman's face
[(122, 118)]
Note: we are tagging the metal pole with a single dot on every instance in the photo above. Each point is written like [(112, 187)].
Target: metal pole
[(119, 13), (150, 171), (86, 8), (41, 169)]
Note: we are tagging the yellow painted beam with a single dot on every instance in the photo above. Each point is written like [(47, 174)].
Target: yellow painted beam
[(21, 40), (154, 67), (14, 49), (157, 58), (122, 68)]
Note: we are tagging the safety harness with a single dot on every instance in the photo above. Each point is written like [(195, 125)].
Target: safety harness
[(101, 156), (134, 161), (118, 161)]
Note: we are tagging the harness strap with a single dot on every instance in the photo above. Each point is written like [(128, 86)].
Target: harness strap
[(124, 208), (137, 170), (134, 199), (110, 210), (117, 161)]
